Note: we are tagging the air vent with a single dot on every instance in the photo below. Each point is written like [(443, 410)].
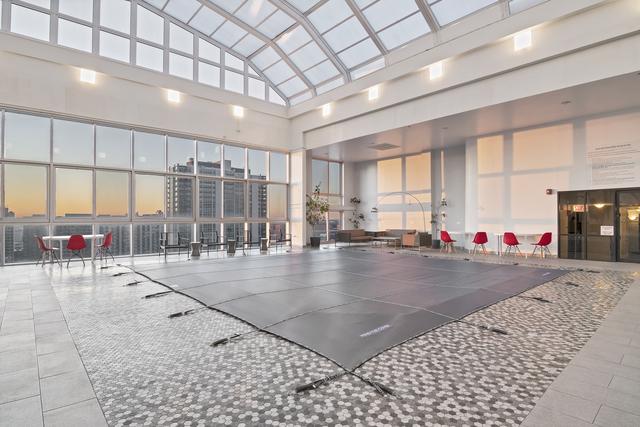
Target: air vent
[(383, 147)]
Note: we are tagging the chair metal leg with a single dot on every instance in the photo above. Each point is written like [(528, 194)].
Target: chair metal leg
[(484, 249)]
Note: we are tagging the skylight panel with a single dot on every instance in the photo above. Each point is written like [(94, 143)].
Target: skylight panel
[(42, 3), (276, 24), (232, 61), (345, 34), (404, 31), (248, 45), (330, 14), (228, 5), (386, 12), (208, 51), (149, 57), (229, 34), (367, 69), (209, 74), (292, 86), (180, 66), (256, 88), (321, 72), (279, 72), (265, 58), (74, 35), (363, 3), (359, 53), (149, 26), (233, 81), (275, 98), (303, 5), (78, 9), (206, 21), (157, 3), (301, 98), (115, 15), (330, 85), (180, 39), (447, 11), (293, 39), (308, 56), (253, 12), (29, 22), (182, 9), (516, 6)]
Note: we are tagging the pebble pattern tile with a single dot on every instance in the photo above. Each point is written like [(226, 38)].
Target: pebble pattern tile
[(147, 369)]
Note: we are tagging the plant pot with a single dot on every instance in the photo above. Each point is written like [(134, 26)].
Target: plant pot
[(315, 242), (435, 244)]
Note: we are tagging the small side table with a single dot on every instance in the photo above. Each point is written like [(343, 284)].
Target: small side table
[(264, 244), (231, 247), (195, 248)]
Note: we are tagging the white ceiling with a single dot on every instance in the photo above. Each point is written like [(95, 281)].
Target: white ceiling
[(602, 97)]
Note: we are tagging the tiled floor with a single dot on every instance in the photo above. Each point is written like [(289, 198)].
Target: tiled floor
[(79, 348)]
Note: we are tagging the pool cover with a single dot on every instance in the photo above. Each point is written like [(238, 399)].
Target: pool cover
[(347, 306)]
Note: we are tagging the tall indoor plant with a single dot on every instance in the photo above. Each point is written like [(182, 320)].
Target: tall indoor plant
[(317, 208), (356, 215)]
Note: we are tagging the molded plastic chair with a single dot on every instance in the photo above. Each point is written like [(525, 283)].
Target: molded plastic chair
[(480, 239), (46, 250), (76, 244), (543, 244), (512, 242), (105, 248), (448, 242)]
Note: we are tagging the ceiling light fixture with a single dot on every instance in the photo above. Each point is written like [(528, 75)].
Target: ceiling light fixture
[(522, 40), (326, 110), (436, 70), (238, 111), (87, 76), (374, 93), (173, 96)]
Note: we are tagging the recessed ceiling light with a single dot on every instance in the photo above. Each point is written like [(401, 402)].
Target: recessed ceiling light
[(565, 102), (522, 40), (374, 93), (238, 111), (173, 96), (326, 110), (436, 70), (87, 76)]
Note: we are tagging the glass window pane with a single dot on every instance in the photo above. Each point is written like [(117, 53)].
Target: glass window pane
[(149, 151), (180, 39), (149, 196), (256, 88), (149, 57), (257, 200), (209, 155), (146, 238), (75, 35), (42, 3), (277, 230), (179, 197), (233, 231), (29, 22), (233, 199), (180, 66), (74, 193), (389, 175), (112, 194), (82, 9), (114, 14), (257, 231), (180, 153), (114, 47), (184, 230), (27, 137), (257, 164), (277, 201), (210, 198), (233, 161), (208, 51), (320, 175), (233, 81), (20, 244), (209, 233), (25, 191), (113, 147), (418, 170), (208, 74), (72, 142), (150, 26), (121, 235), (278, 167), (335, 178)]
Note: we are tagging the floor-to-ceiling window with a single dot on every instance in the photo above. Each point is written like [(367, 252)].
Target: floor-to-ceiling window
[(61, 177), (327, 177)]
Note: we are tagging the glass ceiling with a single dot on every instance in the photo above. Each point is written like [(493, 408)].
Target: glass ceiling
[(282, 51)]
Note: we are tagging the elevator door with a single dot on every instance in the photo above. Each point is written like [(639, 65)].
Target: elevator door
[(629, 226)]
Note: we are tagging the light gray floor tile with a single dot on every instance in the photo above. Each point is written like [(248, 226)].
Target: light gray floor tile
[(54, 343), (65, 389), (59, 363), (546, 417), (623, 401), (17, 314), (572, 406), (611, 417), (21, 413), (16, 326), (13, 361), (51, 328), (625, 385), (14, 342), (83, 414), (48, 317), (631, 360), (19, 385)]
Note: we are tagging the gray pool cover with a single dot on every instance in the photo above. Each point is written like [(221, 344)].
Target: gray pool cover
[(347, 305)]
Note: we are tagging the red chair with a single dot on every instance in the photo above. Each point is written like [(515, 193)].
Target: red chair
[(480, 239), (543, 244), (46, 250), (448, 242), (76, 244), (105, 248), (512, 242)]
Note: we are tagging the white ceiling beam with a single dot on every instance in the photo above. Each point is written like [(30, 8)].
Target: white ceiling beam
[(428, 14), (367, 27)]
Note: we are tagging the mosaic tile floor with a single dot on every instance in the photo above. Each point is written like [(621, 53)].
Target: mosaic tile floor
[(147, 369)]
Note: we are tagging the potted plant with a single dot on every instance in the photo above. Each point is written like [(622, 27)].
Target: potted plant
[(356, 215), (438, 217), (317, 208)]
